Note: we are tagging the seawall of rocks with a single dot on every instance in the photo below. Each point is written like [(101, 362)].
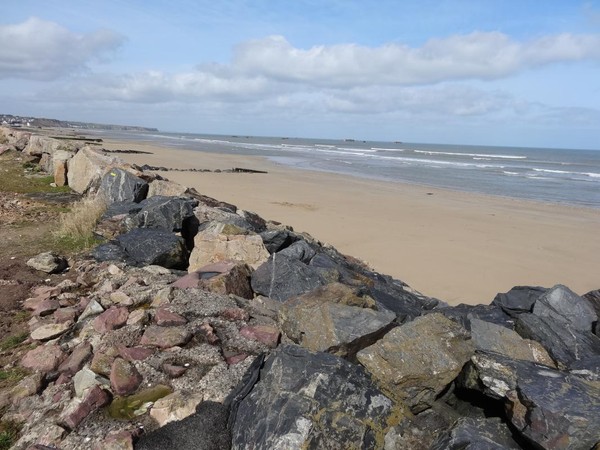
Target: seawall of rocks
[(198, 325)]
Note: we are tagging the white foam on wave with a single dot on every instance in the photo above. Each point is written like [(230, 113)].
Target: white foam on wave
[(567, 172), (510, 173), (387, 149), (482, 155)]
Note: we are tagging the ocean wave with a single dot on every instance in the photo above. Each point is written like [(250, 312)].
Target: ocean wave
[(567, 172), (510, 173), (483, 155), (387, 149)]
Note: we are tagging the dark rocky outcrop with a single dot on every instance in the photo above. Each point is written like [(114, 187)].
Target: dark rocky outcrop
[(519, 299), (118, 185), (313, 400), (476, 434), (166, 213), (562, 304)]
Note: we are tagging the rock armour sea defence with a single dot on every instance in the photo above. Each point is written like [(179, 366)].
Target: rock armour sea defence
[(197, 325)]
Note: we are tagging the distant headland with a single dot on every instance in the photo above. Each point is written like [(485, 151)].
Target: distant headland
[(27, 121)]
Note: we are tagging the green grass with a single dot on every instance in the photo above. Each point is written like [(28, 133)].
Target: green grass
[(12, 376), (9, 433), (14, 177), (12, 341)]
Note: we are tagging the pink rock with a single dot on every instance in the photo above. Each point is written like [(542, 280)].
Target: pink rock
[(66, 314), (235, 359), (46, 307), (94, 399), (122, 440), (135, 353), (191, 280), (235, 314), (111, 319), (262, 333), (166, 318), (102, 363), (124, 377), (46, 291), (208, 333), (63, 378), (165, 337), (44, 358), (76, 360), (173, 370)]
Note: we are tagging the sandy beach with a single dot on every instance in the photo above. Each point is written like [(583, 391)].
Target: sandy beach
[(455, 246)]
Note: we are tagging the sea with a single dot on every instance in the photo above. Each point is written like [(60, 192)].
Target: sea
[(566, 176)]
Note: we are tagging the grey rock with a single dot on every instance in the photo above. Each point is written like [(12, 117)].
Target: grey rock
[(118, 185), (491, 374), (565, 344), (299, 250), (561, 303), (111, 251), (166, 213), (476, 434), (281, 277), (520, 299), (206, 429), (276, 240), (465, 314), (48, 262), (312, 400)]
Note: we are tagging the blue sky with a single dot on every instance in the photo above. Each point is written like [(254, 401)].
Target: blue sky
[(521, 73)]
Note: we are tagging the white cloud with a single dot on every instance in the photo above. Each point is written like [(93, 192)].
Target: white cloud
[(38, 49), (478, 55)]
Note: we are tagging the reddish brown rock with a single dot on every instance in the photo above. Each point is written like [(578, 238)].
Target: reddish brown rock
[(173, 370), (122, 440), (46, 307), (94, 399), (234, 359), (165, 337), (66, 314), (262, 333), (60, 172), (124, 377), (44, 358), (165, 318), (191, 280), (111, 319), (102, 363), (236, 281), (235, 314), (76, 360), (135, 353), (207, 332)]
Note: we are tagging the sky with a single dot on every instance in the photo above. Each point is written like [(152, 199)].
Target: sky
[(481, 72)]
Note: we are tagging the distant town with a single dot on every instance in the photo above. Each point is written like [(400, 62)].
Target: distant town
[(35, 122)]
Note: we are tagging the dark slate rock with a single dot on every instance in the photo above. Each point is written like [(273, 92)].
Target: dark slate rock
[(589, 368), (519, 299), (143, 247), (257, 223), (463, 314), (593, 297), (166, 213), (312, 400), (206, 429), (554, 409), (563, 304), (565, 344), (476, 434), (299, 250), (118, 185), (276, 240), (281, 277), (121, 208)]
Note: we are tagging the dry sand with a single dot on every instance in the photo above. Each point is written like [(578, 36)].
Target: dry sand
[(459, 247)]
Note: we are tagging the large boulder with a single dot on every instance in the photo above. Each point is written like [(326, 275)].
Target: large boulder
[(38, 145), (417, 360), (332, 319), (48, 262), (278, 239), (167, 213), (87, 167), (225, 242), (312, 400), (282, 277), (520, 299), (143, 247), (465, 314), (476, 434), (166, 188), (118, 185), (562, 304)]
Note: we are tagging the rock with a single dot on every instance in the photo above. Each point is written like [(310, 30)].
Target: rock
[(464, 314), (85, 379), (135, 353), (417, 360), (29, 385), (562, 304), (145, 246), (124, 377), (44, 358), (102, 362), (94, 399), (235, 315), (116, 441), (166, 213), (87, 167), (276, 240), (474, 434), (224, 277), (60, 172), (319, 323), (299, 250), (262, 333), (489, 337), (257, 223), (519, 299), (111, 319), (93, 308), (77, 359), (593, 298), (50, 331), (38, 145), (311, 400), (118, 185), (48, 262), (553, 409), (138, 317), (46, 307), (165, 337), (173, 371), (489, 373), (565, 344), (224, 216), (165, 318), (175, 406), (216, 243), (206, 429), (5, 148), (207, 333), (166, 188), (281, 277)]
